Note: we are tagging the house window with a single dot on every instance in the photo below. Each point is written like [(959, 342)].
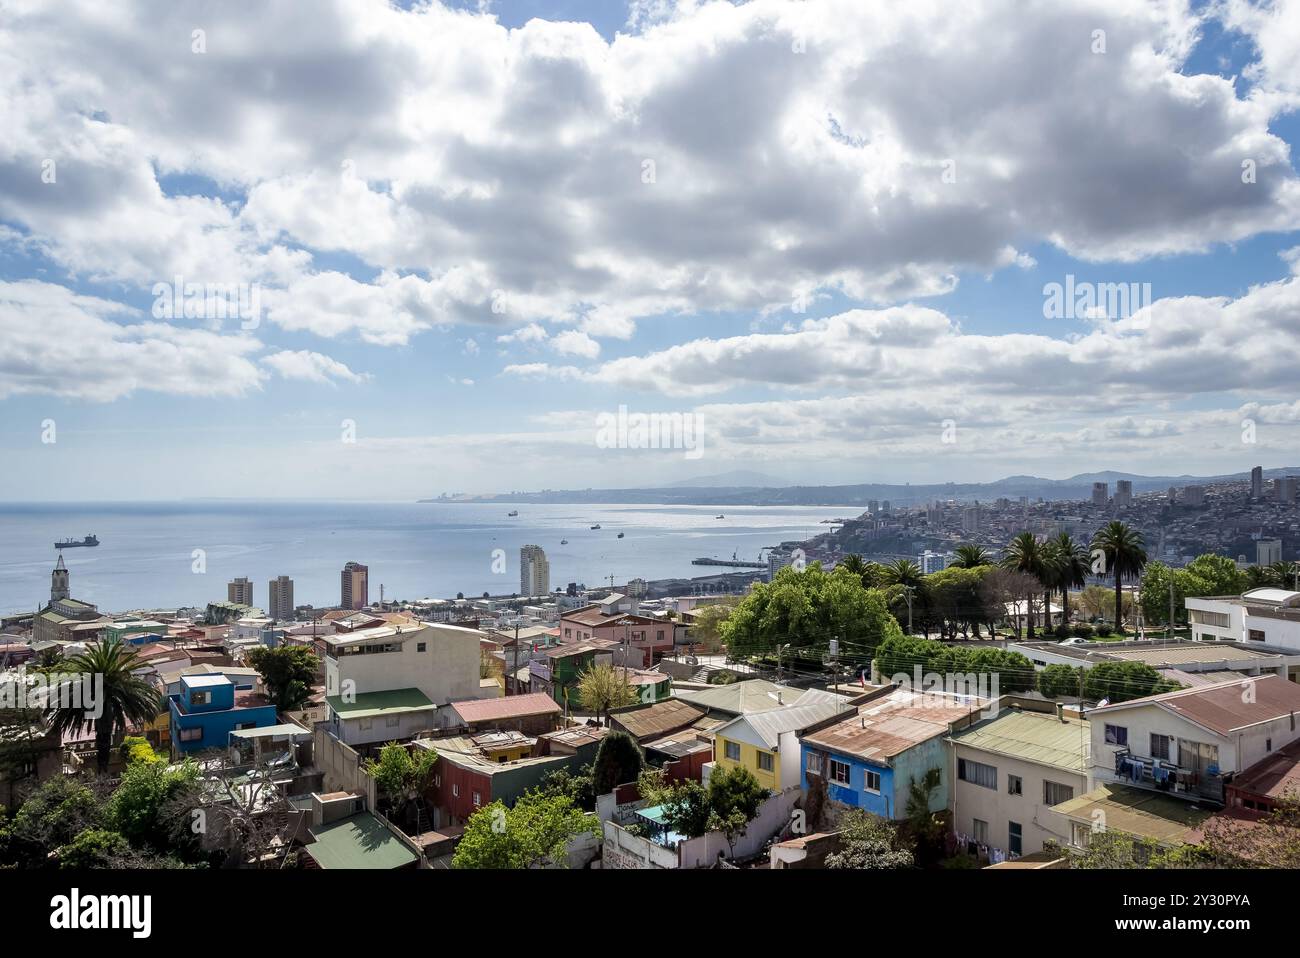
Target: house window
[(437, 781), (980, 831), (568, 633), (1080, 835), (871, 781), (478, 799), (393, 721), (814, 762), (840, 772), (366, 724), (191, 734), (1160, 746), (1116, 735), (732, 751), (1268, 745), (765, 761), (1014, 842), (1054, 793), (421, 646), (1015, 785), (659, 636), (200, 698), (977, 773), (455, 790), (1256, 635)]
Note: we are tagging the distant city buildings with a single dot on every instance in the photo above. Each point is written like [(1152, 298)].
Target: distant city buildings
[(1194, 495), (933, 561), (1100, 493), (970, 519), (1257, 483), (240, 591), (1123, 493), (66, 619), (354, 591), (1268, 551), (534, 571), (279, 603)]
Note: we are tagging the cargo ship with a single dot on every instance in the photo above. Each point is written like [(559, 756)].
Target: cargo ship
[(77, 543)]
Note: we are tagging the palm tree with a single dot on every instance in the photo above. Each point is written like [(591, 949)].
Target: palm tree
[(1024, 554), (903, 572), (1052, 575), (971, 557), (1075, 566), (1284, 573), (1259, 576), (1125, 558), (123, 697)]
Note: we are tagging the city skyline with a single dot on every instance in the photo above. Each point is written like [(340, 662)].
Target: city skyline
[(785, 239)]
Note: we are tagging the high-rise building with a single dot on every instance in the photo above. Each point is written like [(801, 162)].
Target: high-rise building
[(1194, 495), (1257, 483), (1268, 551), (1100, 493), (279, 604), (59, 581), (355, 590), (932, 561), (534, 571), (1123, 493), (1289, 488), (970, 519), (240, 591)]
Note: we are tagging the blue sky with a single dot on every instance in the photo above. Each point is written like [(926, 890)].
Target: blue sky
[(393, 172)]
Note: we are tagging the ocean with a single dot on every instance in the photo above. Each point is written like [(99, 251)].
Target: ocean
[(146, 557)]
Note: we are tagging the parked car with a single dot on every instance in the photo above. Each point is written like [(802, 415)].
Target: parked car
[(1075, 641)]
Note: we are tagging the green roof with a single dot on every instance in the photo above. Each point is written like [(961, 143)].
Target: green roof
[(1169, 821), (1033, 736), (360, 841), (372, 704)]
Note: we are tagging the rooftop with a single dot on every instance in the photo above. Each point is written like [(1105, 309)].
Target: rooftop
[(1157, 654), (744, 697), (893, 723), (1039, 737), (771, 724), (657, 719), (1276, 776), (360, 841), (372, 704), (1139, 812), (1221, 708), (506, 707)]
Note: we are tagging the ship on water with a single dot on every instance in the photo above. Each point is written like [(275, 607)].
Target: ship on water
[(77, 543)]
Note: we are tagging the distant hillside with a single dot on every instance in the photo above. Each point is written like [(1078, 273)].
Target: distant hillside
[(1074, 488)]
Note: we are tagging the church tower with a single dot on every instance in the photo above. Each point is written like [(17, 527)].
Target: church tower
[(59, 581)]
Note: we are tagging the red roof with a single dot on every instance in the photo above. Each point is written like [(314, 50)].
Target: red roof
[(1228, 706), (511, 706)]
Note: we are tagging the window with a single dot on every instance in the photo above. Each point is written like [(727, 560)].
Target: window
[(478, 799), (980, 831), (200, 698), (393, 721), (732, 751), (421, 646), (1255, 635), (840, 772), (985, 776), (1116, 735), (1055, 793), (1220, 620), (765, 761), (1268, 745), (1014, 843), (1015, 785), (872, 781), (366, 724), (659, 636), (191, 734), (814, 762), (1160, 746), (1080, 835), (455, 789)]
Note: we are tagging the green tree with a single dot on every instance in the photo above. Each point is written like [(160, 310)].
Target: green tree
[(1074, 565), (734, 799), (1024, 554), (869, 842), (1058, 681), (536, 832), (288, 671), (1125, 557), (93, 848), (577, 786), (971, 557), (619, 760), (604, 687), (52, 816), (402, 774), (149, 807), (707, 628), (125, 698), (1121, 681)]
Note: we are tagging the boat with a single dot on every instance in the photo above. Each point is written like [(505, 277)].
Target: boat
[(719, 517), (564, 542), (620, 535), (513, 512), (77, 543), (596, 526)]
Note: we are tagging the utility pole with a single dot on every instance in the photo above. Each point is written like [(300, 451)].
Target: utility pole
[(1171, 606), (908, 592), (514, 674)]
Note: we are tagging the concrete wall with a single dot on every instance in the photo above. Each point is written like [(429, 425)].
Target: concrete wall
[(622, 849), (341, 765), (447, 671), (773, 815)]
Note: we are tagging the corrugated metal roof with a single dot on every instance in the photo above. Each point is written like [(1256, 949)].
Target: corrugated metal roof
[(1033, 736), (510, 706), (360, 841), (658, 719), (1134, 811), (886, 726), (744, 697), (1228, 706), (772, 724)]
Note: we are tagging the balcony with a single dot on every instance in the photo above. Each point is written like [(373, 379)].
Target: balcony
[(1163, 775)]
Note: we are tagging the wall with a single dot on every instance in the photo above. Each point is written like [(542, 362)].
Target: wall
[(447, 671), (622, 849), (854, 794), (378, 730), (773, 815), (341, 765), (913, 764), (749, 759)]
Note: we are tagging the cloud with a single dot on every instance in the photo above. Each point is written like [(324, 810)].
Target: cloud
[(312, 367), (57, 343)]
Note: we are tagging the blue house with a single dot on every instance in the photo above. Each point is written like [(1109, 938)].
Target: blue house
[(209, 707), (870, 759)]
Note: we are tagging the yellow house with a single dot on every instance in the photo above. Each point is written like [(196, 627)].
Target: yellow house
[(767, 743)]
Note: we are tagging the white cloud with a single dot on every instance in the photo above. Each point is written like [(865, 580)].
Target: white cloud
[(312, 367)]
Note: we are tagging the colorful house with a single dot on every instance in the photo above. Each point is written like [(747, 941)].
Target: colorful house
[(209, 707), (555, 671), (870, 759), (767, 743)]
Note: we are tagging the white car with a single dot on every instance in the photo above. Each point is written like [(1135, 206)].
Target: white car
[(1074, 641)]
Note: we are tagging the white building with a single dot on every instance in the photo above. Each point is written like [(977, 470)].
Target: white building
[(1263, 619), (534, 571), (1268, 551), (386, 682)]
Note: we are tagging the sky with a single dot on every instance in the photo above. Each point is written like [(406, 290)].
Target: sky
[(360, 249)]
